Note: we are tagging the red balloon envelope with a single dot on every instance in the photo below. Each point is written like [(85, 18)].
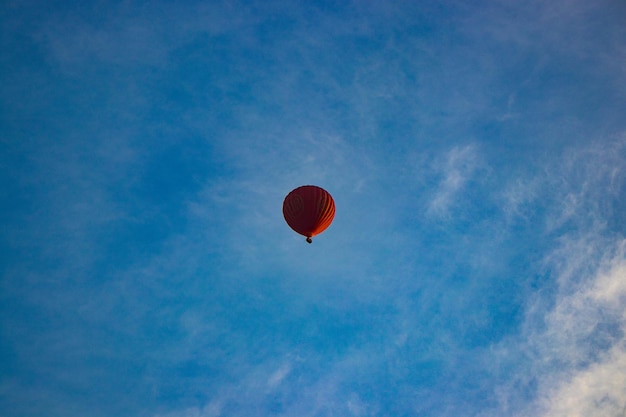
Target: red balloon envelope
[(309, 210)]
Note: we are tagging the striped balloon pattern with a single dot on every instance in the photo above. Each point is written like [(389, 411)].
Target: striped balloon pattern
[(309, 210)]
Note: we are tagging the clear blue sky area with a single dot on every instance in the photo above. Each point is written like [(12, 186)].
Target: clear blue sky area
[(476, 153)]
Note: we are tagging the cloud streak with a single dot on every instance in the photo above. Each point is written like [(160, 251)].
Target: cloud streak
[(475, 265), (585, 337), (457, 169)]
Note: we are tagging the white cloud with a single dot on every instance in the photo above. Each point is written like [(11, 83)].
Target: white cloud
[(598, 391), (570, 355), (458, 167), (518, 197), (580, 354), (279, 375)]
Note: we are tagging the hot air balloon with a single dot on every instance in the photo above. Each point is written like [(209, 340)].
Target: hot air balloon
[(309, 210)]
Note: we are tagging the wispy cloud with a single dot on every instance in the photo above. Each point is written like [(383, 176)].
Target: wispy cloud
[(572, 339), (584, 337), (456, 169), (598, 390), (153, 272)]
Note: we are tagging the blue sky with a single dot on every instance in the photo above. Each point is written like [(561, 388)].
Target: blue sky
[(476, 154)]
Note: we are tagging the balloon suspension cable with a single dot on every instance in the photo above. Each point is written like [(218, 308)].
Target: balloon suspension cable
[(309, 240)]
